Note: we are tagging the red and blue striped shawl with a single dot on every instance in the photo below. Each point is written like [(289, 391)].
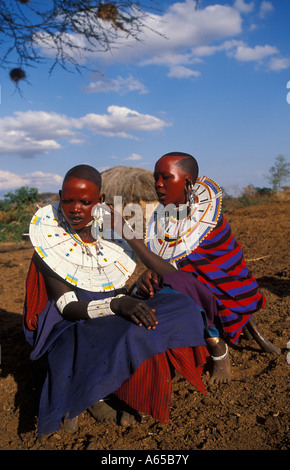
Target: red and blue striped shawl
[(218, 262)]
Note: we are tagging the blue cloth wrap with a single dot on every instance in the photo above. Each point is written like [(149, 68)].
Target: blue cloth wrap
[(89, 359)]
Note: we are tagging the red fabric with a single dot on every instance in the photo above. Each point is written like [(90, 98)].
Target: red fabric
[(149, 388), (36, 296)]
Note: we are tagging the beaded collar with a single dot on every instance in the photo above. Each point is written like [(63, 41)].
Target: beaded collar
[(100, 266), (176, 235)]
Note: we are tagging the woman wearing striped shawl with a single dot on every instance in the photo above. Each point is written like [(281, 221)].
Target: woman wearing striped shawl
[(206, 248)]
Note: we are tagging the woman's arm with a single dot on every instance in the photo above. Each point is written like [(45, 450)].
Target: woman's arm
[(150, 259), (72, 309), (56, 289)]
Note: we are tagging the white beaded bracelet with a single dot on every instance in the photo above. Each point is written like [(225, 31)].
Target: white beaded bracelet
[(65, 299), (101, 308), (95, 308)]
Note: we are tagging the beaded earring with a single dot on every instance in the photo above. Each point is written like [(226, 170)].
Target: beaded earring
[(98, 223), (98, 220), (191, 196)]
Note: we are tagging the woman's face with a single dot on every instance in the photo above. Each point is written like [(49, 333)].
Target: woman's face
[(170, 181), (78, 197)]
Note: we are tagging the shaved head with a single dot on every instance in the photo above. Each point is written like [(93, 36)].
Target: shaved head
[(85, 172), (186, 162)]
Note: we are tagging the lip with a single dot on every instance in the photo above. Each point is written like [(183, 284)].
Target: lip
[(75, 220), (160, 195)]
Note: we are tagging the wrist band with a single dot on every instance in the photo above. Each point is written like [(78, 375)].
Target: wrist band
[(65, 299), (95, 308), (101, 308)]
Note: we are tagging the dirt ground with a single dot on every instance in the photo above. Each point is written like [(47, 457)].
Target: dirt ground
[(249, 413)]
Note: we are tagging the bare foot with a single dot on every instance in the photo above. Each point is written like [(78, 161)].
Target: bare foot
[(103, 412), (111, 412), (221, 366), (127, 419), (70, 426)]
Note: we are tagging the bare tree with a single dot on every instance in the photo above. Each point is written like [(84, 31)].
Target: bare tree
[(65, 30)]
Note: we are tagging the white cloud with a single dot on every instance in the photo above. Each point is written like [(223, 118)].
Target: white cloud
[(185, 29), (42, 181), (169, 36), (279, 63), (179, 37), (32, 133), (257, 53), (244, 7), (265, 8), (266, 55), (119, 85), (172, 59), (133, 157), (185, 26), (119, 120), (227, 46), (46, 124), (183, 72)]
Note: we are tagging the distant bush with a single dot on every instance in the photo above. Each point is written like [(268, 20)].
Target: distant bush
[(250, 195), (16, 211), (22, 196)]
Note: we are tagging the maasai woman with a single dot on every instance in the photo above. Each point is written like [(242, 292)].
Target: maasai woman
[(99, 341), (197, 239)]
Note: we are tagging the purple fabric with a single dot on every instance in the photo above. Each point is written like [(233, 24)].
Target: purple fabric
[(89, 359), (185, 283)]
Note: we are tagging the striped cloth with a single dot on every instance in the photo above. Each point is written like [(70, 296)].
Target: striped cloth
[(148, 390), (218, 262), (36, 296)]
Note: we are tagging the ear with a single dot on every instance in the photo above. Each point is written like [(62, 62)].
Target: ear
[(102, 198), (188, 181)]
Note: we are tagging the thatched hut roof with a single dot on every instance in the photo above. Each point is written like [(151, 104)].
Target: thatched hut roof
[(133, 184)]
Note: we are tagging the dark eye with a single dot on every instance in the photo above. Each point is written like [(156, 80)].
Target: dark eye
[(86, 203)]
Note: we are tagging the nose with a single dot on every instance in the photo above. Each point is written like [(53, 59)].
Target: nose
[(75, 207), (158, 182)]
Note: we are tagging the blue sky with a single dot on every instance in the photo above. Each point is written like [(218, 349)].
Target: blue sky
[(214, 84)]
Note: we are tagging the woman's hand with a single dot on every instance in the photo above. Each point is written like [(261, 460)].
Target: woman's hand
[(134, 310), (145, 283)]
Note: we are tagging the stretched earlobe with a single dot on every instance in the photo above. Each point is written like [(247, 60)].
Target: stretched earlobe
[(98, 222), (190, 191)]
